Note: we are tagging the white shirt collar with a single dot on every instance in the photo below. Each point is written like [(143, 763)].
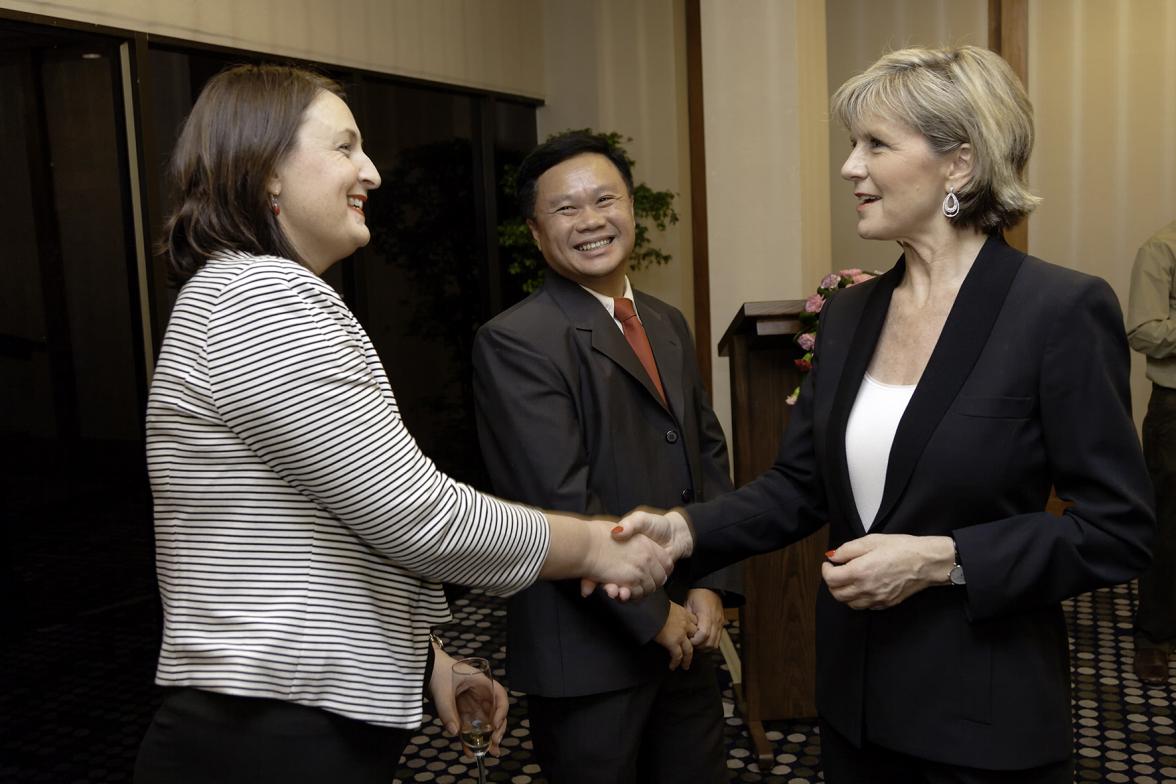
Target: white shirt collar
[(608, 304)]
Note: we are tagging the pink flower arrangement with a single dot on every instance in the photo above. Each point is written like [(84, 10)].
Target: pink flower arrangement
[(807, 338)]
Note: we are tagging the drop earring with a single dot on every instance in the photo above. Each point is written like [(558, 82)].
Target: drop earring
[(276, 208), (951, 204)]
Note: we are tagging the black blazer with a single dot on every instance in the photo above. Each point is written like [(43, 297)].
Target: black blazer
[(1026, 388), (569, 420)]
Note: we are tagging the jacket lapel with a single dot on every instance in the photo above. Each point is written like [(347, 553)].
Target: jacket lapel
[(588, 315), (862, 339), (964, 336), (667, 352)]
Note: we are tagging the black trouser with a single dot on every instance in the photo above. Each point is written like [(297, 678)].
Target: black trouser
[(199, 737), (844, 763), (669, 730), (1155, 619)]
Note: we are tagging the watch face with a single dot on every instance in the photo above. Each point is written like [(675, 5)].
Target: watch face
[(956, 575)]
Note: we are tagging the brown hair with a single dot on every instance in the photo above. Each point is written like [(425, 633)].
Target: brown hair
[(965, 95), (243, 124)]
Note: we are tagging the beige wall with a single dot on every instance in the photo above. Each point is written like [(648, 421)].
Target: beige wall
[(489, 44), (616, 65), (859, 32), (1102, 77), (766, 152)]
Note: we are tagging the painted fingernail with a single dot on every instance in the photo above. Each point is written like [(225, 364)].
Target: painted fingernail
[(617, 529), (830, 553)]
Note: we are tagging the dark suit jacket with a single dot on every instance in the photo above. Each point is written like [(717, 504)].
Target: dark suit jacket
[(569, 420), (1026, 388)]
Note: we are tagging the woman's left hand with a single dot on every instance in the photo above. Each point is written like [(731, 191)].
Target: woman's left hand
[(441, 690), (881, 570)]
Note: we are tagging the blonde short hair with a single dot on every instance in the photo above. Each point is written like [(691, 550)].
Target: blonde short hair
[(965, 95)]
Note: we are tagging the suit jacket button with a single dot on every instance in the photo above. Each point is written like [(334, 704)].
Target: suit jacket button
[(672, 436), (687, 495)]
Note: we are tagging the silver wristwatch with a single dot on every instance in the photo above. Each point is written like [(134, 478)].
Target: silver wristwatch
[(956, 575)]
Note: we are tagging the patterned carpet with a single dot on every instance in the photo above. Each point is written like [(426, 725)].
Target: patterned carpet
[(76, 698)]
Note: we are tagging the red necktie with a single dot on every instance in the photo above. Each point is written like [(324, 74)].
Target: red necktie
[(635, 334)]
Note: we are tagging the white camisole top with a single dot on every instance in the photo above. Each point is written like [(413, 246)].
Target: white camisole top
[(869, 434)]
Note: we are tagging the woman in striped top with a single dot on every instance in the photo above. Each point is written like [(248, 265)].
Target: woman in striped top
[(301, 536)]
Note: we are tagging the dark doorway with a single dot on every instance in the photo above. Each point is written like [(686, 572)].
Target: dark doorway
[(77, 541), (71, 347)]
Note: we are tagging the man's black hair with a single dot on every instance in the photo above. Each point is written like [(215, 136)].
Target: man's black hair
[(555, 151)]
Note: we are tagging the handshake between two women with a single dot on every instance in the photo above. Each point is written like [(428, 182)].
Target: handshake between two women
[(634, 560), (873, 572)]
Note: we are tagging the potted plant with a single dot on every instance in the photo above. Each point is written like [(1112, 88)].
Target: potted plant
[(810, 317)]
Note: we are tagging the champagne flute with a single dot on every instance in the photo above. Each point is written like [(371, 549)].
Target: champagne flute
[(473, 691)]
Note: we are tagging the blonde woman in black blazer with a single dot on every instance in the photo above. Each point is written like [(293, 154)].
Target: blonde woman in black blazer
[(941, 645)]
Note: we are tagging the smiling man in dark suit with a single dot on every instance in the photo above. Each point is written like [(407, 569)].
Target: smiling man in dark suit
[(589, 400)]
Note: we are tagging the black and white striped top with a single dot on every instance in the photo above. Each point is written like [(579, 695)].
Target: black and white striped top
[(301, 536)]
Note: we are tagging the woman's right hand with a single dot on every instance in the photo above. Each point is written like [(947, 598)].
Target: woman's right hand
[(627, 568), (670, 530)]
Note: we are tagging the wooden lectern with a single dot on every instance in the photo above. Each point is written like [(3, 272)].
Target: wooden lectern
[(777, 626)]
